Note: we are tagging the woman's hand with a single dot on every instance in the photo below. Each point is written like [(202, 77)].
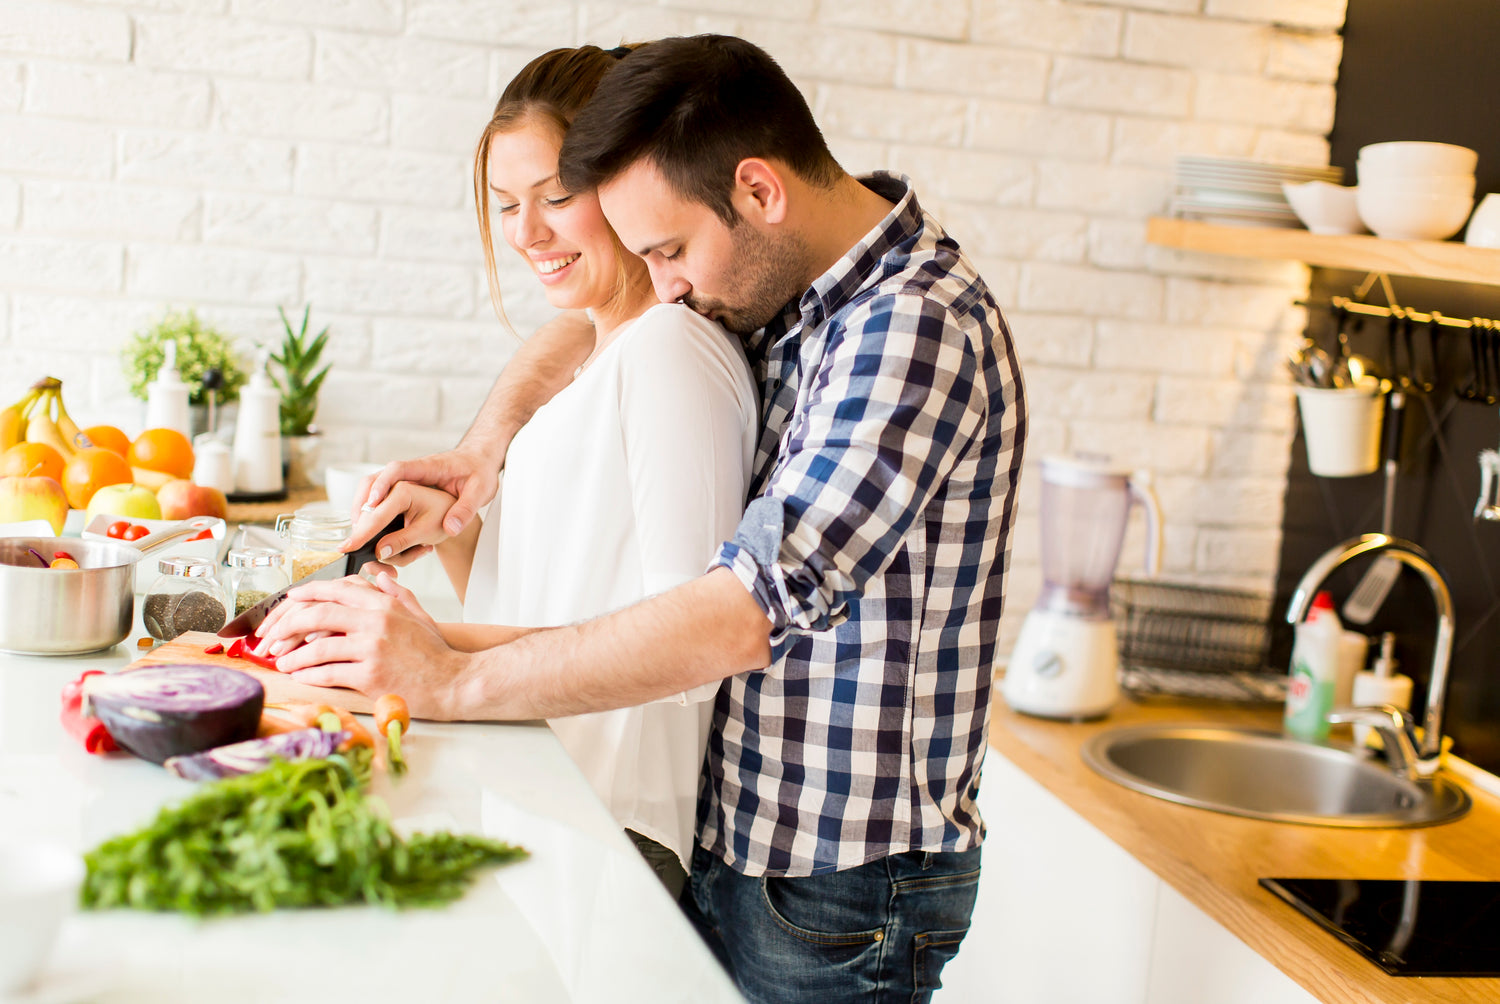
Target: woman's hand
[(376, 639), (424, 509), (467, 481)]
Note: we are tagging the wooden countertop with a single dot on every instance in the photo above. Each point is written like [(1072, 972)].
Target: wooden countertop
[(1215, 859)]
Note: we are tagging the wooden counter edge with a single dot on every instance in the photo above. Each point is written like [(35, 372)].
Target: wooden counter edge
[(1214, 860)]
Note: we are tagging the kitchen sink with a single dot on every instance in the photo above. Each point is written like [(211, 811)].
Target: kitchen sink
[(1269, 776)]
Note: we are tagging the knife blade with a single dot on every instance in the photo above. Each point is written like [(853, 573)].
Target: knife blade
[(344, 564)]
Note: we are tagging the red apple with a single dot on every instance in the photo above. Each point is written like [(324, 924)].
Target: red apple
[(183, 500), (33, 498)]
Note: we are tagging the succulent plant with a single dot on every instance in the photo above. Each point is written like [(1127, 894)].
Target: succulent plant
[(300, 377)]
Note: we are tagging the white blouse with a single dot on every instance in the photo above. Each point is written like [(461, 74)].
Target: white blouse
[(623, 486)]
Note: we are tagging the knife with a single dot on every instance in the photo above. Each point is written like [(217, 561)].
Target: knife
[(345, 564)]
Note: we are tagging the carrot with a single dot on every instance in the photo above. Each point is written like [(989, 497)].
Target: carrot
[(329, 719), (391, 720), (304, 713), (272, 725), (358, 734)]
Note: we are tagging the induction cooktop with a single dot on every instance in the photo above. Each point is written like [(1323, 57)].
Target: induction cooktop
[(1407, 928)]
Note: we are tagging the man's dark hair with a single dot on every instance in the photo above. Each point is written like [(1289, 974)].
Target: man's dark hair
[(695, 107)]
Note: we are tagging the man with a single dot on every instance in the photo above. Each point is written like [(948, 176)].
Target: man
[(853, 616)]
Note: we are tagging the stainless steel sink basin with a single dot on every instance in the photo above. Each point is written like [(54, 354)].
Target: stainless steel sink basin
[(1268, 776)]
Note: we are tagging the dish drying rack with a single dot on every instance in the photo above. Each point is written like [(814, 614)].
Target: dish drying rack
[(1202, 642)]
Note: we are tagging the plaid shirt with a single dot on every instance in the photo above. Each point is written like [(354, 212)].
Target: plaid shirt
[(876, 541)]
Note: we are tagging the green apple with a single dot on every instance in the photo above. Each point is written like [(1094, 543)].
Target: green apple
[(130, 501), (33, 498)]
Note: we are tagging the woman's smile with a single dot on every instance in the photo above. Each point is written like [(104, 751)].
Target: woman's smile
[(553, 270)]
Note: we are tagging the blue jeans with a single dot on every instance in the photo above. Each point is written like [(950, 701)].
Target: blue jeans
[(878, 934)]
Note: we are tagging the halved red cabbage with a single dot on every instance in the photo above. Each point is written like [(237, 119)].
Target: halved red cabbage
[(255, 754), (165, 711)]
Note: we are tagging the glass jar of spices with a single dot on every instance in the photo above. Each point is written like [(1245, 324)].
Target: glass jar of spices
[(314, 533), (254, 574), (186, 596)]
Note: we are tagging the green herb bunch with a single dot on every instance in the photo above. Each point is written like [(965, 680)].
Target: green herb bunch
[(297, 834), (200, 347), (298, 382)]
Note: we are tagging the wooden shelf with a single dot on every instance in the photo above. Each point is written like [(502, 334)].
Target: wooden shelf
[(1446, 260)]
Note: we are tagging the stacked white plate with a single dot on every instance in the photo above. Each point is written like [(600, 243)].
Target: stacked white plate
[(1246, 192)]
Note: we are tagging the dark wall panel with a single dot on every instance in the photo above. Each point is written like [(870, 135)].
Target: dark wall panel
[(1426, 71)]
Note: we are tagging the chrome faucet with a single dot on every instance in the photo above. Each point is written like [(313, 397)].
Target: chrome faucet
[(1429, 750)]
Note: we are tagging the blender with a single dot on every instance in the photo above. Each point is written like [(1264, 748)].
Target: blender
[(1066, 661)]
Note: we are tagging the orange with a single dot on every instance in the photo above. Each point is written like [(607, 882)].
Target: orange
[(108, 437), (90, 470), (32, 460), (166, 451)]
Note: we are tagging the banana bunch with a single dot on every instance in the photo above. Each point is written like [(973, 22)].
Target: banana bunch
[(40, 417)]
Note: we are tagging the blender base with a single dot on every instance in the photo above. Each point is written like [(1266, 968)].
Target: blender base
[(1063, 667)]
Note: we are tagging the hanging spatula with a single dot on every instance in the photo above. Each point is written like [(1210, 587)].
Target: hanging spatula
[(1375, 585)]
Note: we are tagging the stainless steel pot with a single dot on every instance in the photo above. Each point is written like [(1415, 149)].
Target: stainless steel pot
[(56, 611)]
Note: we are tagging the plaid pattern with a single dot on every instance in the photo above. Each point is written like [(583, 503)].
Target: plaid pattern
[(876, 541)]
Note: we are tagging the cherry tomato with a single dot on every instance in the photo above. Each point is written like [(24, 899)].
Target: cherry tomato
[(134, 533), (117, 529), (202, 535)]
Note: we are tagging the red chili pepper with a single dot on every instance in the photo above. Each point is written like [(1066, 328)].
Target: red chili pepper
[(244, 648), (90, 732), (213, 649)]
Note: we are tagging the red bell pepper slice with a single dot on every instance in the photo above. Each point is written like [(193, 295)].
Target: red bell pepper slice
[(89, 731), (244, 648)]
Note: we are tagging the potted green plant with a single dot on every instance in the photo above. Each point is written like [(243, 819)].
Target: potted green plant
[(201, 349), (299, 380)]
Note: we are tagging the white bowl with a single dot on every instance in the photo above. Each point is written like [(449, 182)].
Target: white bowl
[(1484, 225), (1419, 158), (1413, 217), (1423, 184), (1325, 208), (38, 887), (146, 570)]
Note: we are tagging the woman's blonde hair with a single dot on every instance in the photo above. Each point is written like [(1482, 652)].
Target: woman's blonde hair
[(551, 89)]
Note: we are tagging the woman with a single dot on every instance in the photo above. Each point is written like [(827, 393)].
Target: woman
[(625, 484)]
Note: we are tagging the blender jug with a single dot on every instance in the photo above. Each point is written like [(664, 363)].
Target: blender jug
[(1066, 659), (1085, 509)]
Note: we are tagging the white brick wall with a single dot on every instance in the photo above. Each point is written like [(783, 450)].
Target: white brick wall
[(234, 155)]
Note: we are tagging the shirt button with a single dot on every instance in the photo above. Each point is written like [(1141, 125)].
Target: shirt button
[(879, 935)]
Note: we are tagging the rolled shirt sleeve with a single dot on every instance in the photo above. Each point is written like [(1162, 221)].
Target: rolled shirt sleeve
[(890, 401)]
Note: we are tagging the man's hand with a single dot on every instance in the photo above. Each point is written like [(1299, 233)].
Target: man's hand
[(376, 639), (469, 478)]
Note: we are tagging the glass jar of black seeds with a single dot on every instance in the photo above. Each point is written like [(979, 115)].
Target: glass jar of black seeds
[(254, 574), (186, 596)]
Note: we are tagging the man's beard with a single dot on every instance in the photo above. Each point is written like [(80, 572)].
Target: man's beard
[(767, 271)]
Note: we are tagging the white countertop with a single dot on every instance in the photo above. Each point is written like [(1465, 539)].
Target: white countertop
[(584, 919)]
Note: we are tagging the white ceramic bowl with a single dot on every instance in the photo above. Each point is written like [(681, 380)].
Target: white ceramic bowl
[(342, 480), (1419, 158), (1413, 217), (1325, 208), (1484, 225), (146, 570), (1419, 184), (38, 887)]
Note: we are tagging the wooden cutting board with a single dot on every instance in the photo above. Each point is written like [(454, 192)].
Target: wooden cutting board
[(188, 647)]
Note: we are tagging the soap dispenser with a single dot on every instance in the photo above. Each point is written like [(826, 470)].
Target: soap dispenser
[(257, 435), (167, 396)]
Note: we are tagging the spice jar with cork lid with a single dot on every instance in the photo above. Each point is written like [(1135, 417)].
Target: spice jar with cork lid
[(186, 596), (314, 533), (254, 574)]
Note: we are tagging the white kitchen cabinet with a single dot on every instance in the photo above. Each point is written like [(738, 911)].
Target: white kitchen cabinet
[(1065, 916)]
